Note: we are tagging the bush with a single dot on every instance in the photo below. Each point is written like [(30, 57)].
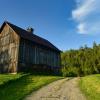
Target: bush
[(81, 62), (70, 71)]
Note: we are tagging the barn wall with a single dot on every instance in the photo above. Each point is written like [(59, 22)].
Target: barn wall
[(9, 43), (31, 54)]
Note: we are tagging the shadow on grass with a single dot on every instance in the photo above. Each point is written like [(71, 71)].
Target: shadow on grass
[(44, 73), (15, 89)]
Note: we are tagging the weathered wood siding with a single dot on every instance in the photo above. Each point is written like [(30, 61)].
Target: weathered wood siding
[(9, 43), (18, 54), (34, 54)]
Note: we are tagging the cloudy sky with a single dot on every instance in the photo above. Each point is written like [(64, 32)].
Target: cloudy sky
[(87, 15), (68, 24)]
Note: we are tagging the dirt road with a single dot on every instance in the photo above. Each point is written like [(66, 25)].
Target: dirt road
[(63, 89)]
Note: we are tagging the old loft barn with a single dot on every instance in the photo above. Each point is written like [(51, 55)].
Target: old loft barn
[(22, 50)]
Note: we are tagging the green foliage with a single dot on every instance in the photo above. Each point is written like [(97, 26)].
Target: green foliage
[(18, 88), (81, 62), (71, 71), (90, 85)]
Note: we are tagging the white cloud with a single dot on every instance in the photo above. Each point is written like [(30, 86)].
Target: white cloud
[(87, 15), (81, 28)]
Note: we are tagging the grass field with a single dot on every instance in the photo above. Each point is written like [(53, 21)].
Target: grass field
[(90, 85), (5, 78), (18, 87)]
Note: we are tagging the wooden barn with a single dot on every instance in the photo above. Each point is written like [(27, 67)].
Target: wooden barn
[(21, 50)]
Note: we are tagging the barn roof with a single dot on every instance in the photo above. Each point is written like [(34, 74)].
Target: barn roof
[(30, 36)]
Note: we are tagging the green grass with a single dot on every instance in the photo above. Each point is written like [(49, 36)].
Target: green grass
[(4, 78), (90, 85), (17, 89)]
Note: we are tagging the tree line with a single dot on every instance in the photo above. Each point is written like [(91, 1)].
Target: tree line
[(83, 61)]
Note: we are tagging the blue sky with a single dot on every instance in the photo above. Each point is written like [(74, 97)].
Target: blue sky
[(68, 24)]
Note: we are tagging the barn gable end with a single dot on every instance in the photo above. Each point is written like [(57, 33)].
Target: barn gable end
[(9, 43)]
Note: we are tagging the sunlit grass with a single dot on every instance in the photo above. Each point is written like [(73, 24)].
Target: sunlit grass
[(18, 89), (90, 85), (4, 78)]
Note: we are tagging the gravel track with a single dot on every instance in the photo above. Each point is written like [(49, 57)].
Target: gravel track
[(64, 89)]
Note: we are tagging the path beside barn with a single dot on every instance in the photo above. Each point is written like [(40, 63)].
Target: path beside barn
[(63, 89)]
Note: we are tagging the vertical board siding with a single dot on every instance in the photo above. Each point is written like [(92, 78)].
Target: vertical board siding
[(8, 50), (18, 54), (31, 53)]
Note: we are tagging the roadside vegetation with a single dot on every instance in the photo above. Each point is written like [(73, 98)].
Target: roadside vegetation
[(90, 85), (16, 87), (84, 61)]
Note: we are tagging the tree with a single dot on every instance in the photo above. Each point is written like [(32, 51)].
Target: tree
[(81, 62)]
